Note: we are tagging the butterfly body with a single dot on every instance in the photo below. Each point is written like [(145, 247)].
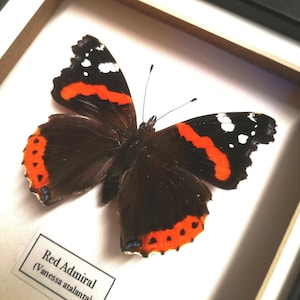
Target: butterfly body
[(157, 177), (127, 155)]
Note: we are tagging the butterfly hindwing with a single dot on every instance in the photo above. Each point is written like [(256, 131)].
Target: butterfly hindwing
[(162, 206), (67, 155)]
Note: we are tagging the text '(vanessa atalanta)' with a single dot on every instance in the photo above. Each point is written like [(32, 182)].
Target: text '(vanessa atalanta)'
[(156, 177)]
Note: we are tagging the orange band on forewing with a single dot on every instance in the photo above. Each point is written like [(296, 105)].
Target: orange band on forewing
[(80, 88), (36, 170), (222, 165)]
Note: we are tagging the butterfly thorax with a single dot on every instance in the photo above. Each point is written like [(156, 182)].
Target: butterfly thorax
[(135, 144), (127, 155)]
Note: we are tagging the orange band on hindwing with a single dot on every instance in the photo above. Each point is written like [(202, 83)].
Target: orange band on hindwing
[(36, 171), (182, 233)]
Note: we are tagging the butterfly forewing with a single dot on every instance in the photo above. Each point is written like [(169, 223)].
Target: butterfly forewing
[(216, 147), (94, 86)]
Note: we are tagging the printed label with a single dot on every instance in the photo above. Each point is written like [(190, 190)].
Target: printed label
[(60, 271)]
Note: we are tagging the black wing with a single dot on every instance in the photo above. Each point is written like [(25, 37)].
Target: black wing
[(94, 86), (162, 206), (67, 155), (216, 147)]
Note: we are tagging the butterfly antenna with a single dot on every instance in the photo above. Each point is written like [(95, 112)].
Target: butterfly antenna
[(194, 99), (143, 113)]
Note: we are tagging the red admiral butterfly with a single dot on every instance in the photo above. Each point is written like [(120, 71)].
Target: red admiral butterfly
[(156, 177)]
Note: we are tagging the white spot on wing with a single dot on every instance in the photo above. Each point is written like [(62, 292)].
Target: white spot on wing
[(86, 63), (243, 138), (108, 67), (226, 122), (251, 117), (101, 47)]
